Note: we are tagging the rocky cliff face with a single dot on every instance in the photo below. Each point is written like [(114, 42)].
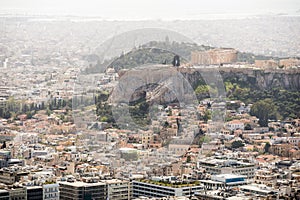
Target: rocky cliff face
[(269, 79), (262, 79), (159, 84), (178, 89)]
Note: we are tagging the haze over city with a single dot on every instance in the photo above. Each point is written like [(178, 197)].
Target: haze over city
[(154, 9), (150, 100)]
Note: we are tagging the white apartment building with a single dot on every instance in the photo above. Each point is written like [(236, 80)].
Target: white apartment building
[(51, 191), (234, 125)]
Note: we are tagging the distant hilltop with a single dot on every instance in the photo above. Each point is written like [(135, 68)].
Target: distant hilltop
[(262, 71), (163, 52)]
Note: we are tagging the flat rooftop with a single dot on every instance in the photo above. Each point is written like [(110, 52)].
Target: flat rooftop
[(170, 184), (112, 181), (229, 176), (256, 188), (80, 183)]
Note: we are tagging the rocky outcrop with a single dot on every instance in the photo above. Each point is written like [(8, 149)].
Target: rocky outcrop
[(160, 83), (168, 84)]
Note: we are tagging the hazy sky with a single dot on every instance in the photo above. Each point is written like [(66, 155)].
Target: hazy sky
[(151, 9)]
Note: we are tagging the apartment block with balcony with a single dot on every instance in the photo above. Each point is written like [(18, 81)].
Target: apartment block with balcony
[(119, 189), (51, 192), (222, 166)]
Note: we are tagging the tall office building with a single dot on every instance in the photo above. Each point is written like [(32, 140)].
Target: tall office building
[(81, 190), (34, 192)]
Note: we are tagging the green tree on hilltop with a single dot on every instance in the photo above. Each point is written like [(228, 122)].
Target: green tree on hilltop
[(264, 110)]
